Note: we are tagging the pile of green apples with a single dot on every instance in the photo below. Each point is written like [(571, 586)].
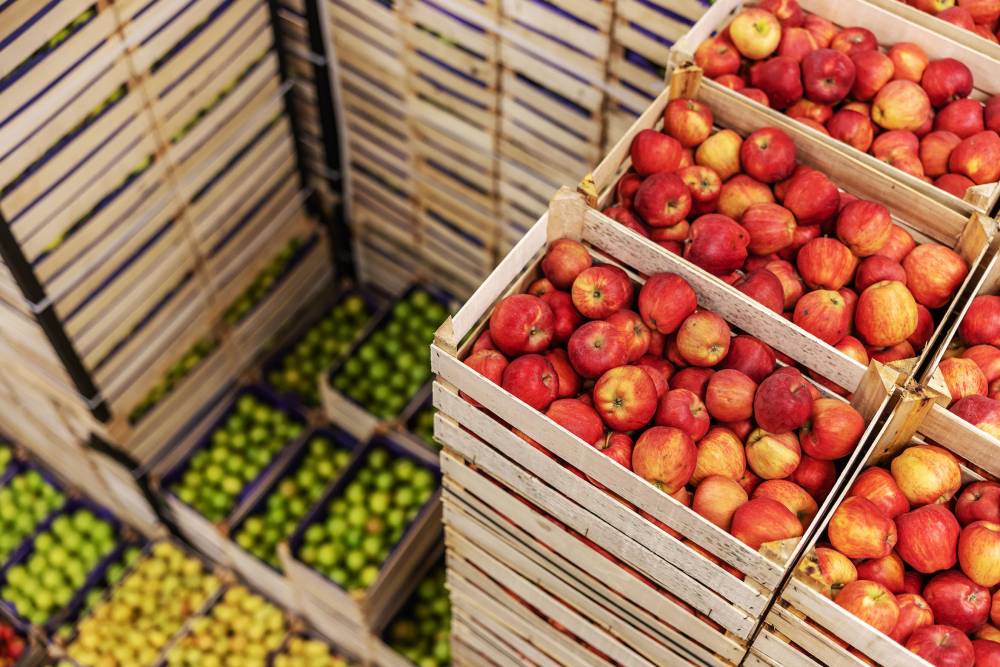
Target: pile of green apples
[(291, 499), (180, 370), (61, 558), (261, 284), (304, 652), (392, 364), (25, 501), (422, 426), (367, 519), (422, 631), (238, 450), (324, 343), (241, 629), (148, 607)]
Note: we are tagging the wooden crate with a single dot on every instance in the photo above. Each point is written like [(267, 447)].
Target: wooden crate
[(822, 632), (362, 612), (539, 546), (736, 605), (924, 218), (888, 29)]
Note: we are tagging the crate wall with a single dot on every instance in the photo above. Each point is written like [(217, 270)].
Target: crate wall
[(148, 186)]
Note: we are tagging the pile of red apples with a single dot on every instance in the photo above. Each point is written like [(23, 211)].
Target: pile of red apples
[(785, 235), (978, 16), (666, 389), (914, 555), (972, 368), (908, 111)]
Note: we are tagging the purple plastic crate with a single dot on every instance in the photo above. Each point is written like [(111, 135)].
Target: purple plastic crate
[(265, 396), (320, 510)]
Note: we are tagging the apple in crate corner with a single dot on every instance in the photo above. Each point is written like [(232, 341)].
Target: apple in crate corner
[(564, 261), (828, 569)]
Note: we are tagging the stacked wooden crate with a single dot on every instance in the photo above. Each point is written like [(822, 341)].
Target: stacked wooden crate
[(152, 207)]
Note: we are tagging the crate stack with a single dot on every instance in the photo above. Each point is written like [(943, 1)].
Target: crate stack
[(153, 222), (557, 555)]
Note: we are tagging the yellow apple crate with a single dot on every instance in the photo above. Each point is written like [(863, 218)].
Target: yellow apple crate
[(736, 605), (889, 29), (926, 220), (822, 632), (950, 31)]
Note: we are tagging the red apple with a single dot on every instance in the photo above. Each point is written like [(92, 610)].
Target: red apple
[(826, 263), (914, 612), (778, 79), (874, 70), (729, 396), (625, 398), (665, 301), (878, 486), (601, 291), (740, 193), (564, 261), (689, 121), (783, 402), (659, 370), (721, 153), (720, 452), (789, 12), (958, 601), (909, 61), (854, 40), (755, 33), (488, 363), (694, 380), (935, 149), (852, 128), (979, 501), (541, 287), (764, 520), (682, 409), (987, 357), (958, 16), (532, 379), (927, 474), (933, 273), (955, 184), (703, 339), (484, 342), (816, 476), (962, 117), (913, 582), (768, 155), (717, 56), (828, 569), (987, 653), (858, 529), (886, 314), (901, 105), (522, 323), (790, 283), (877, 268), (566, 317), (755, 94), (617, 447), (750, 356), (872, 602), (596, 347), (833, 431), (771, 455), (717, 498), (806, 109), (824, 314), (887, 570), (633, 330), (704, 184), (978, 157), (718, 244), (578, 418), (984, 12), (665, 457), (946, 80), (981, 324), (763, 287), (963, 377), (627, 186), (942, 646), (627, 219), (927, 538), (822, 29), (979, 552), (827, 75), (653, 152), (899, 245), (796, 43), (864, 226), (663, 200), (991, 113), (771, 228), (792, 496), (569, 381)]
